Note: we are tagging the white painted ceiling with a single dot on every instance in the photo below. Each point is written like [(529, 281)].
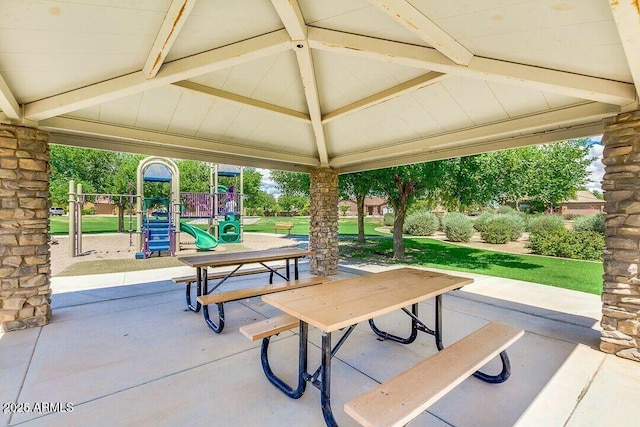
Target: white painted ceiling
[(347, 84)]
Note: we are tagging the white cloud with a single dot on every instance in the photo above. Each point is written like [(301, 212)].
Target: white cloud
[(267, 184), (596, 169)]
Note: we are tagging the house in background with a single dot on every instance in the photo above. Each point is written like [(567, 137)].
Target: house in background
[(585, 203), (373, 206)]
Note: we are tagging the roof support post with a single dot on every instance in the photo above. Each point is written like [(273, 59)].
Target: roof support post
[(620, 305), (323, 226)]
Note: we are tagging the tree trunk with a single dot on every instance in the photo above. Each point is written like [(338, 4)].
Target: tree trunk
[(121, 218), (398, 225), (360, 204)]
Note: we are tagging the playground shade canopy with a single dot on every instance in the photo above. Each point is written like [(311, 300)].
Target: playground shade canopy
[(346, 84)]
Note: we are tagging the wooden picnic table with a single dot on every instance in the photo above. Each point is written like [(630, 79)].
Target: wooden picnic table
[(343, 304), (238, 259)]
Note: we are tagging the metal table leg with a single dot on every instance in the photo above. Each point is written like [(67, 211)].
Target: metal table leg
[(195, 308), (302, 365), (418, 325), (325, 381)]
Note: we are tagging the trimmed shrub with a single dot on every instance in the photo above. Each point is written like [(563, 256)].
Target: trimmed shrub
[(388, 219), (481, 221), (518, 225), (458, 227), (540, 223), (587, 245), (590, 223), (498, 229), (505, 210), (421, 223)]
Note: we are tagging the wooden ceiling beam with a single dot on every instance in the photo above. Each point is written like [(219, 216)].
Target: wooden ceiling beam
[(176, 17), (182, 69), (562, 117), (8, 102), (291, 17), (412, 85), (626, 14), (91, 129), (579, 131), (242, 100), (413, 20), (535, 78)]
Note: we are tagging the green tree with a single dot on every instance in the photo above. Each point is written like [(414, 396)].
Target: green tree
[(402, 185), (357, 187), (194, 176), (292, 183), (292, 203), (559, 171), (124, 182), (94, 169)]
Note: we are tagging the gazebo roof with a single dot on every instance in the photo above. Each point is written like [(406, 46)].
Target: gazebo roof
[(286, 84)]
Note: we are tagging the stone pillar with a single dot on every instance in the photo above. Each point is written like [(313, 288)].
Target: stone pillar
[(323, 227), (24, 220), (621, 185)]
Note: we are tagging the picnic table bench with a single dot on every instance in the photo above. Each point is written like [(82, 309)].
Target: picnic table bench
[(191, 279), (207, 295), (283, 226)]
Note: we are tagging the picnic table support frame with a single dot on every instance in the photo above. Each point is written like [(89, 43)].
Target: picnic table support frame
[(302, 364), (323, 371), (418, 325), (203, 290)]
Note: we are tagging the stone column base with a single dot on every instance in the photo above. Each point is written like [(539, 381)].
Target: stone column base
[(24, 221), (323, 227)]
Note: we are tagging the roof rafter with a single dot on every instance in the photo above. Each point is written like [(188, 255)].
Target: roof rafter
[(8, 102), (176, 17), (169, 141), (242, 100), (413, 20), (578, 131), (182, 69), (536, 78), (386, 95), (627, 17), (291, 16), (567, 116)]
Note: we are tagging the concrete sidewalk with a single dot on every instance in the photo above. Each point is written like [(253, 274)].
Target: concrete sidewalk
[(122, 351)]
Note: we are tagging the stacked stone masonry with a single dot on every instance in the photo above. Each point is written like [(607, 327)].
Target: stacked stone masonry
[(24, 208), (323, 227), (621, 185)]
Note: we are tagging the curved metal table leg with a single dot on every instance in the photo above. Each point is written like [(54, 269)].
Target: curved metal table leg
[(195, 308), (502, 376), (302, 365), (387, 336), (217, 328)]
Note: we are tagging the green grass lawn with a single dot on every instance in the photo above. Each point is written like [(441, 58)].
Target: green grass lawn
[(585, 276), (582, 276), (90, 224)]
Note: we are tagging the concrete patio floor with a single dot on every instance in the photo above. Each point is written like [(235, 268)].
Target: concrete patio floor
[(121, 349)]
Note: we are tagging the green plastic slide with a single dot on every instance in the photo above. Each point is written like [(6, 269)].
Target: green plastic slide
[(204, 240)]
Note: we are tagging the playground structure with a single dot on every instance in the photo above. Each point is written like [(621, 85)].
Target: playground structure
[(77, 202), (158, 217), (222, 206)]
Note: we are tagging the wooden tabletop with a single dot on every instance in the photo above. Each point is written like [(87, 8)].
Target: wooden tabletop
[(339, 304), (235, 258)]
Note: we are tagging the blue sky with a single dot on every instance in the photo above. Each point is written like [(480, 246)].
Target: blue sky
[(596, 169)]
